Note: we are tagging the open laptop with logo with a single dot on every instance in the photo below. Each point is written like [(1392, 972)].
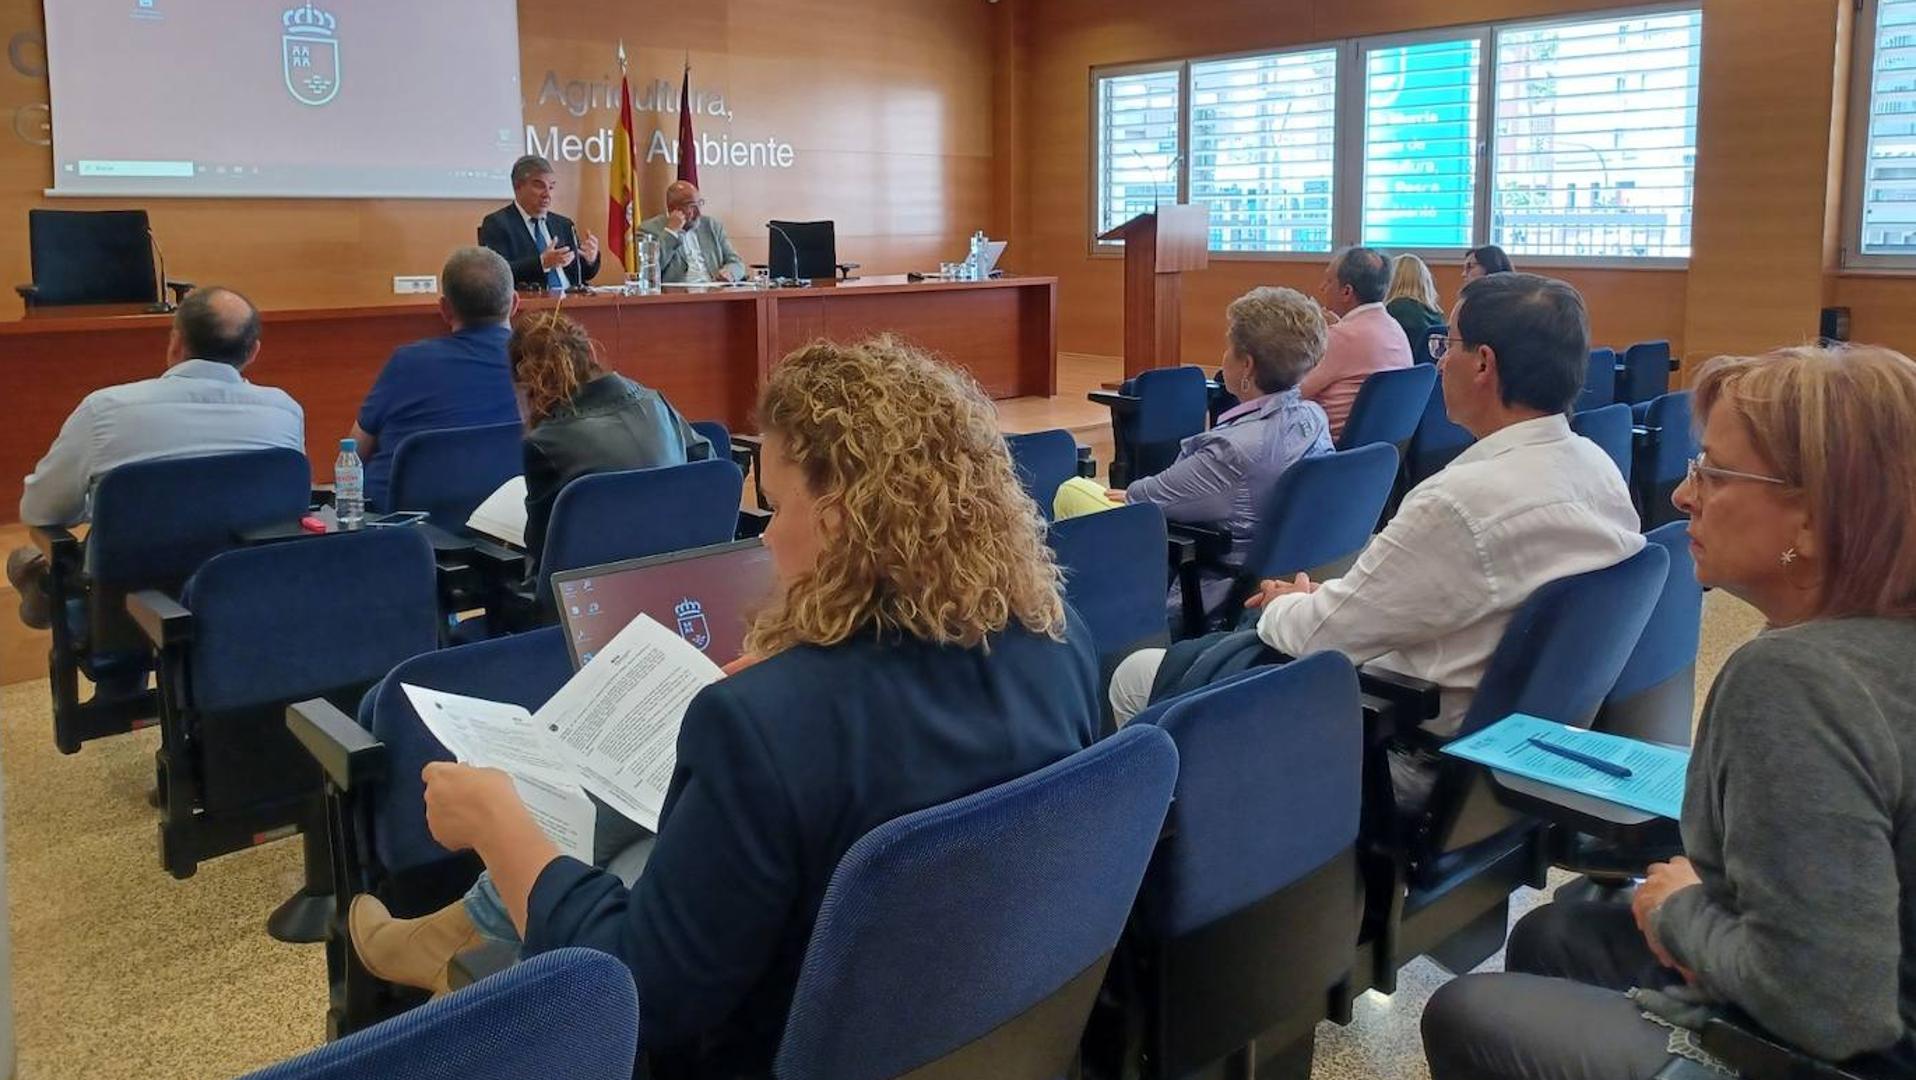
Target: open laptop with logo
[(708, 595)]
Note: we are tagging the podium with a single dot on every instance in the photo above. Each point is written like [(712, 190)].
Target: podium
[(1158, 247)]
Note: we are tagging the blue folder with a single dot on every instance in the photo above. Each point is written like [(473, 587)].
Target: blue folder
[(1655, 784)]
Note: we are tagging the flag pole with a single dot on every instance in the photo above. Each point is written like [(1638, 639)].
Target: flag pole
[(631, 151)]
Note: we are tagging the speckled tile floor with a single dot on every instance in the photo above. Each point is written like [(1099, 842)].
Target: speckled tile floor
[(121, 971)]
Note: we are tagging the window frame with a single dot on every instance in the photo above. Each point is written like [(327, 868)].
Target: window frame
[(1347, 186), (1856, 153)]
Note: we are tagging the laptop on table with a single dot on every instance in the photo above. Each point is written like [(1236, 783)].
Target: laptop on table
[(708, 595)]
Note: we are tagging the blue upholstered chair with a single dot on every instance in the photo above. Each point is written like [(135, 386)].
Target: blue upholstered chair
[(1599, 381), (1242, 938), (1388, 407), (719, 436), (1643, 374), (154, 523), (1654, 697), (254, 631), (570, 1012), (1116, 577), (1666, 441), (1150, 416), (375, 799), (1437, 441), (449, 472), (1044, 460), (1442, 859), (970, 939), (1608, 426)]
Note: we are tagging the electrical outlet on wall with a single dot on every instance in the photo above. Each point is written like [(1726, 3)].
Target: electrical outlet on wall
[(406, 285)]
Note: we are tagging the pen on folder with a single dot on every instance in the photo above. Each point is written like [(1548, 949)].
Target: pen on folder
[(1581, 758)]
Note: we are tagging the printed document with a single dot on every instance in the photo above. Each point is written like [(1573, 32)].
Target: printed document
[(503, 514), (1654, 786)]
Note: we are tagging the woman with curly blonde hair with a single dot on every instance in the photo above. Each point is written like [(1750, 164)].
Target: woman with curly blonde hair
[(918, 649)]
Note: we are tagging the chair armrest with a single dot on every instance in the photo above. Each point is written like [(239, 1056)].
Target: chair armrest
[(347, 753), (160, 617), (1121, 404), (1609, 822), (1211, 545), (752, 522), (494, 557), (480, 961), (56, 542), (180, 289), (1755, 1054), (1087, 462), (1396, 705), (28, 293)]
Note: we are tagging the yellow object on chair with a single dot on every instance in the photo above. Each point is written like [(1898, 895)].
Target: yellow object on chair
[(1079, 496)]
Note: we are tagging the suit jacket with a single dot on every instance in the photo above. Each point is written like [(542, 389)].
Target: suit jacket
[(613, 424), (781, 768), (714, 244), (505, 232)]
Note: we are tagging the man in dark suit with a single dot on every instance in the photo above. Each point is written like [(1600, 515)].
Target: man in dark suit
[(542, 247)]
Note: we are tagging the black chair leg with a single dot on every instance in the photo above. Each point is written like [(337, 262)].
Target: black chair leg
[(302, 919)]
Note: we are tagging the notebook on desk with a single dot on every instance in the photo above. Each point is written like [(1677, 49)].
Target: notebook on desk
[(707, 595), (1655, 773)]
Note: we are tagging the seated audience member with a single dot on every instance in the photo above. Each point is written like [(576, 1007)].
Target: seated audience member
[(1484, 261), (1224, 476), (1412, 301), (918, 650), (1363, 337), (581, 419), (455, 380), (201, 405), (1528, 503), (1796, 904)]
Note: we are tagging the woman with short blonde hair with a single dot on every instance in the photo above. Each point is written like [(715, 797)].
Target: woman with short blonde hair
[(1412, 301), (916, 648), (1796, 901)]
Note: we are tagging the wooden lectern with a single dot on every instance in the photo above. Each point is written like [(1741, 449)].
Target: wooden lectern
[(1158, 247)]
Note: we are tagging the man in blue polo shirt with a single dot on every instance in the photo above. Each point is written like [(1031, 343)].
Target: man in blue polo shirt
[(458, 380)]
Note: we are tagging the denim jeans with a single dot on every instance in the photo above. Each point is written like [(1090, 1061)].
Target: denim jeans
[(488, 911)]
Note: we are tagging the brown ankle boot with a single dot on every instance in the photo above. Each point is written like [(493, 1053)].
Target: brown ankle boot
[(410, 952)]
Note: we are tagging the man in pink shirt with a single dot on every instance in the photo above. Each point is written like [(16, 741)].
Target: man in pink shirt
[(1363, 336)]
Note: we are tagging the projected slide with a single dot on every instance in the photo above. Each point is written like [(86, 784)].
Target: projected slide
[(342, 98)]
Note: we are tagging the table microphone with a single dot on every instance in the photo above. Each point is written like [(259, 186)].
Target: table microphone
[(164, 306), (777, 228)]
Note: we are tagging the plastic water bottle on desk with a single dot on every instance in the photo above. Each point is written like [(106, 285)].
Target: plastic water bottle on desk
[(975, 262), (349, 486)]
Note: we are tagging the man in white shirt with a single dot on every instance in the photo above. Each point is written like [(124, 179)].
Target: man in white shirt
[(693, 247), (1529, 503), (201, 405)]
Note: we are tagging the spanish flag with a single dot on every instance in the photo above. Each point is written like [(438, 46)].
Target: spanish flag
[(622, 192)]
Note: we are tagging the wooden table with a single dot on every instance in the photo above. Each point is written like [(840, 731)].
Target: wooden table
[(708, 352)]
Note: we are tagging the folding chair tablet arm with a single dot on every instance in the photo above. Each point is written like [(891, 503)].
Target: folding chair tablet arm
[(164, 621), (346, 753), (1119, 404), (57, 543), (1757, 1055)]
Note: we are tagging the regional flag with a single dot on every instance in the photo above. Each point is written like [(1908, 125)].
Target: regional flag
[(688, 146), (622, 191)]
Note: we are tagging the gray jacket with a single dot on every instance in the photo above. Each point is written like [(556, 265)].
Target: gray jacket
[(1800, 817), (714, 245)]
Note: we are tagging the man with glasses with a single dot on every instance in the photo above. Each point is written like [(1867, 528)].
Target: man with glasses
[(543, 248), (693, 247), (1530, 502)]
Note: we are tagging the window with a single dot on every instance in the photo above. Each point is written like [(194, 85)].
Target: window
[(1887, 194), (1137, 144), (1263, 149), (1595, 137), (1420, 144)]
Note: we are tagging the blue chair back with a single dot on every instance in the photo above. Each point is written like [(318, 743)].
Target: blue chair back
[(284, 622), (1436, 441), (1655, 694), (1116, 575), (1044, 460), (155, 522), (1663, 456), (1645, 372), (1171, 403), (1388, 407), (1323, 509), (718, 435), (1270, 787), (519, 669), (1566, 644), (1610, 427), (632, 514), (570, 1012), (1599, 381), (941, 926), (449, 472)]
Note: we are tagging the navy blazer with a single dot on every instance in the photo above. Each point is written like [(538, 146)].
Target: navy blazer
[(781, 768), (505, 232)]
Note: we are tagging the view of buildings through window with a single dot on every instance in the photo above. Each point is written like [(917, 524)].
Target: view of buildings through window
[(1889, 165)]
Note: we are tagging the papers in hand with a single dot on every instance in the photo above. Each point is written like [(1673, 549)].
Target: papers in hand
[(503, 514), (612, 730), (1654, 786)]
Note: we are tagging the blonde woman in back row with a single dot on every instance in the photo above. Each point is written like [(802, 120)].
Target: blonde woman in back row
[(1412, 301)]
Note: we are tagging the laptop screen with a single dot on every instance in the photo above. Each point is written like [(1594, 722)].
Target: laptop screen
[(709, 595)]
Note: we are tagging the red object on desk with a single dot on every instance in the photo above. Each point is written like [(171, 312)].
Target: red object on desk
[(313, 524)]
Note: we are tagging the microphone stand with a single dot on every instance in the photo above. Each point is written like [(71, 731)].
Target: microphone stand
[(163, 306), (795, 279)]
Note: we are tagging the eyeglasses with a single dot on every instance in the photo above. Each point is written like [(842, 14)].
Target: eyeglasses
[(1701, 470), (1439, 344)]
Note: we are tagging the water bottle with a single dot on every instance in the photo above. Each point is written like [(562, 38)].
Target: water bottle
[(974, 263), (349, 486)]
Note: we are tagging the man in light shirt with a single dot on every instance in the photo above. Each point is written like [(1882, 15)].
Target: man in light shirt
[(1530, 502), (1364, 339), (201, 405), (693, 247)]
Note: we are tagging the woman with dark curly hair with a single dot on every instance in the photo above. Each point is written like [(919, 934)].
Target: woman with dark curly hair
[(582, 419), (918, 650)]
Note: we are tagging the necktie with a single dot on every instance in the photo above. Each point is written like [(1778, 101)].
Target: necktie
[(555, 278)]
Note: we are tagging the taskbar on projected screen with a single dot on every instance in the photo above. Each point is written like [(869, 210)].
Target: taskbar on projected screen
[(142, 177)]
